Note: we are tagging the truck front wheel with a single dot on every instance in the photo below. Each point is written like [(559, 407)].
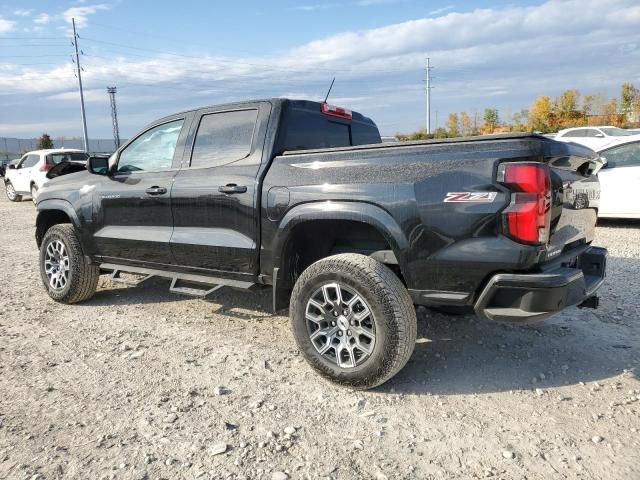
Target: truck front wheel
[(353, 320), (65, 274)]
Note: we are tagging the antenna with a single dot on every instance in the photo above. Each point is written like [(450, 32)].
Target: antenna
[(330, 87)]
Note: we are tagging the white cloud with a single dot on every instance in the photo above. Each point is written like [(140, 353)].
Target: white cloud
[(485, 57), (370, 3), (25, 129), (502, 38), (23, 12), (441, 10), (6, 25), (318, 6), (92, 95), (42, 18), (80, 14)]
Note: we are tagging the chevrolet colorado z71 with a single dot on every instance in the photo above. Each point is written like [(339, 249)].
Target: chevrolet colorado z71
[(349, 232)]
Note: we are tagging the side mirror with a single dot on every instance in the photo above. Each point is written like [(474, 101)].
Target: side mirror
[(98, 165), (11, 166)]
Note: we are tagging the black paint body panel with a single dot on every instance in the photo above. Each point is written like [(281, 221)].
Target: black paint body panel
[(446, 252)]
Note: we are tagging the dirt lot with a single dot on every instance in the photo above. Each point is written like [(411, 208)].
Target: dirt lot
[(138, 383)]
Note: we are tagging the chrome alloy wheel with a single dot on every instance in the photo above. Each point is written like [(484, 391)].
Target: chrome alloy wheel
[(56, 264), (341, 325), (11, 192)]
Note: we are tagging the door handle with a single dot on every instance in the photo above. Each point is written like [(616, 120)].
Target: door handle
[(232, 188), (156, 191)]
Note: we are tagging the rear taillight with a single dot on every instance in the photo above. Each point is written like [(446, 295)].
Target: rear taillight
[(336, 111), (45, 167), (527, 219)]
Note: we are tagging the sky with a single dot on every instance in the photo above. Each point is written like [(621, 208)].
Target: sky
[(166, 57)]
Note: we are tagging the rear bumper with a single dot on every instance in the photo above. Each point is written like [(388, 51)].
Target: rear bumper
[(530, 297)]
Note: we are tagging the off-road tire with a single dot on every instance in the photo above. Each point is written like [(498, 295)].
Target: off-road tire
[(83, 277), (388, 299), (16, 197)]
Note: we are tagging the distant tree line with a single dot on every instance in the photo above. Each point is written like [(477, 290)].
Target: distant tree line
[(545, 115)]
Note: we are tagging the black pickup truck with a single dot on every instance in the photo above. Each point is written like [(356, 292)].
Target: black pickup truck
[(348, 232)]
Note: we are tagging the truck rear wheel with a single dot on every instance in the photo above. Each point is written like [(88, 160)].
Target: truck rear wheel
[(353, 320), (65, 274)]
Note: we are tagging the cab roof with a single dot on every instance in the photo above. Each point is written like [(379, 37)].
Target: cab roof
[(54, 150)]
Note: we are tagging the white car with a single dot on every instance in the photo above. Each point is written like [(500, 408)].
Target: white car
[(30, 173), (619, 179), (594, 137)]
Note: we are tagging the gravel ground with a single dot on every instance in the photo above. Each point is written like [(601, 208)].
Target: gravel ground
[(138, 383)]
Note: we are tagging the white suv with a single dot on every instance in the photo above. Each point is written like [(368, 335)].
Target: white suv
[(29, 174)]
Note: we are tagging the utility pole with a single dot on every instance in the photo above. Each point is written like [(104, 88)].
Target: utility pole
[(114, 115), (84, 116), (429, 87)]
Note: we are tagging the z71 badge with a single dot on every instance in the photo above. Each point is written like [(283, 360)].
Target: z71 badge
[(470, 197)]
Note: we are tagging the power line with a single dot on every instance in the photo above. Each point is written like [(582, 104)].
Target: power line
[(32, 38), (179, 56), (137, 32), (20, 45), (27, 64), (33, 56)]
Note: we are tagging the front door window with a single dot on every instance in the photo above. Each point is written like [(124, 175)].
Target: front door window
[(153, 150)]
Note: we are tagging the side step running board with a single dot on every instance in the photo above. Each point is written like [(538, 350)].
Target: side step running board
[(115, 277), (195, 292), (204, 281)]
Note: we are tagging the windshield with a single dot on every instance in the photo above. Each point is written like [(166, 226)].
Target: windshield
[(616, 132)]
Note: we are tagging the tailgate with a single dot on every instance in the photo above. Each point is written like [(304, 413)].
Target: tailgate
[(575, 192)]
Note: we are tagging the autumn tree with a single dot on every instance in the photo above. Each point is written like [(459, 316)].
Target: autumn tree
[(44, 142), (591, 105), (520, 121), (611, 107), (567, 111), (453, 125), (636, 104), (540, 114), (491, 120), (466, 125), (627, 97), (567, 102)]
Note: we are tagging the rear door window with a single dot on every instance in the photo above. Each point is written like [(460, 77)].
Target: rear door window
[(223, 138)]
